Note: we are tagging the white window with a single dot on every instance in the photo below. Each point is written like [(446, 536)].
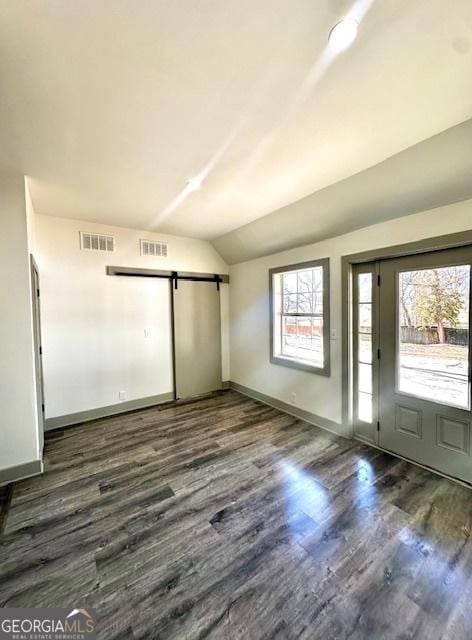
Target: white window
[(300, 316)]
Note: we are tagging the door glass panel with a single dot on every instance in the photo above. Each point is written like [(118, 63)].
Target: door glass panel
[(365, 378), (364, 347), (364, 281), (365, 318), (433, 325), (364, 407)]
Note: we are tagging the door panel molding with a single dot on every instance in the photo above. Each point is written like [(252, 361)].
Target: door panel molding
[(453, 434), (412, 424)]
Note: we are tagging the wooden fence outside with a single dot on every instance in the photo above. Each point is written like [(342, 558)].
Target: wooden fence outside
[(413, 335)]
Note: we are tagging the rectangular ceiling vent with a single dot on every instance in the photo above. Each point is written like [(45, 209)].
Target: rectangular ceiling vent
[(96, 241), (150, 248)]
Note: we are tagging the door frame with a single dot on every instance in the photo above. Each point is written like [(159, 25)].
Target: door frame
[(358, 425), (428, 245), (38, 348)]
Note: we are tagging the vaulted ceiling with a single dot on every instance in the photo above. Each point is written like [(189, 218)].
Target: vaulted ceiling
[(110, 106)]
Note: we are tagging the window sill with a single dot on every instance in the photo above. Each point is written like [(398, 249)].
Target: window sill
[(301, 366)]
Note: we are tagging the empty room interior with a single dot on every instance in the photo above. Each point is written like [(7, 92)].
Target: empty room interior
[(235, 319)]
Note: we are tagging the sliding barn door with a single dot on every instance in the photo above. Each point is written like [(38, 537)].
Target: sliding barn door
[(197, 338)]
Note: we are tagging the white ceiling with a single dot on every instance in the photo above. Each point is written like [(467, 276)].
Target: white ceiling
[(110, 105), (432, 173)]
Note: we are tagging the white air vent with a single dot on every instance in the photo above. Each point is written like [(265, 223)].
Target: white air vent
[(149, 248), (96, 241)]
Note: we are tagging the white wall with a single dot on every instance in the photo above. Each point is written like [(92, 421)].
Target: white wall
[(19, 438), (249, 307), (94, 325)]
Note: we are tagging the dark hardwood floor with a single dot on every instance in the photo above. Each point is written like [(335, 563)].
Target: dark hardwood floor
[(5, 499), (225, 518)]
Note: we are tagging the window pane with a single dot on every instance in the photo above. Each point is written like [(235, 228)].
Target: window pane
[(305, 303), (305, 281), (364, 382), (364, 282), (302, 338), (365, 318), (291, 303), (289, 282), (364, 348), (318, 279), (433, 354), (364, 407)]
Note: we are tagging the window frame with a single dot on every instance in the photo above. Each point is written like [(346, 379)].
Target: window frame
[(287, 361)]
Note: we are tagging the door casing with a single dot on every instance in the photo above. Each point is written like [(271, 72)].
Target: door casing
[(38, 350)]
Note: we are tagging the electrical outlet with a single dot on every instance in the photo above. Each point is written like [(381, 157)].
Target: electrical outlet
[(293, 398), (146, 333), (122, 395)]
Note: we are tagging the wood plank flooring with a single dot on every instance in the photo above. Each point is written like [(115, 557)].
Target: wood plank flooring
[(5, 499), (225, 518)]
